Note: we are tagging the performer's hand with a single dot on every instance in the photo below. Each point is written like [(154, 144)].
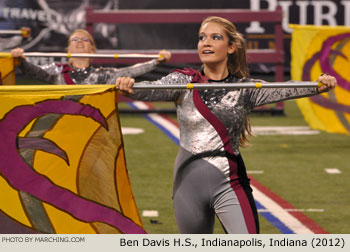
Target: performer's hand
[(17, 53), (328, 81), (26, 32), (125, 84), (164, 56)]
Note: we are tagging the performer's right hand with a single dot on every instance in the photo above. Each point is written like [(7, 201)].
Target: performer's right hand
[(125, 84), (17, 53)]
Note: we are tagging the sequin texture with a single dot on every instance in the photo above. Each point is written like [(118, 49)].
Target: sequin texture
[(231, 107), (52, 73)]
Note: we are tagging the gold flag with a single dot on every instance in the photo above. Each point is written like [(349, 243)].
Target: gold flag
[(323, 49), (62, 163), (7, 71)]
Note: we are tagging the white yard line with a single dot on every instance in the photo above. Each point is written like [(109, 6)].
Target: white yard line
[(294, 210), (332, 170), (280, 213), (150, 213), (254, 172), (132, 131), (283, 130)]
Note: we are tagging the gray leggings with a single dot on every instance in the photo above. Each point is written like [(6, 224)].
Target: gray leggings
[(201, 191)]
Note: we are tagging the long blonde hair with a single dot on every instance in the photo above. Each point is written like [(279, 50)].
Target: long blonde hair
[(237, 63)]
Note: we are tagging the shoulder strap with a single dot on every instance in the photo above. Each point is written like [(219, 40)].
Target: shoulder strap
[(65, 71), (197, 76)]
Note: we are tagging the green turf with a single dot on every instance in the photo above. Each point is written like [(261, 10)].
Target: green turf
[(293, 168), (150, 158)]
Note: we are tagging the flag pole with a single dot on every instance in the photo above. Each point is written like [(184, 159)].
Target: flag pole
[(24, 32), (16, 32), (294, 84), (85, 55)]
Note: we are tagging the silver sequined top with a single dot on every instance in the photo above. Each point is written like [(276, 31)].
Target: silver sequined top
[(52, 73), (231, 107)]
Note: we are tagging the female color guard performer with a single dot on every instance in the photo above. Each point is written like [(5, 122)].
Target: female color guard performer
[(79, 70), (209, 175)]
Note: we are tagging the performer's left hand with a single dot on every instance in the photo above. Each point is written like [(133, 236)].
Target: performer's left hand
[(125, 84), (165, 56)]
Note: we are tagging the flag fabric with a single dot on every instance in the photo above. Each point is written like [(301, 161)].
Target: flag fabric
[(7, 71), (323, 49), (62, 162)]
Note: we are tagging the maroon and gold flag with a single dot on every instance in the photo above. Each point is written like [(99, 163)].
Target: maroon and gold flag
[(323, 49), (62, 163), (7, 71)]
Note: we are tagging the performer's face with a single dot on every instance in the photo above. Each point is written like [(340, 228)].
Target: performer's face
[(79, 43), (213, 44)]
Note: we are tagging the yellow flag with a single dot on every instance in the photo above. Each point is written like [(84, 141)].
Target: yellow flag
[(7, 71), (62, 163), (323, 49)]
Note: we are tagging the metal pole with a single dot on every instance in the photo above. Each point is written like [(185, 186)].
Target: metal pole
[(85, 55), (92, 55), (10, 32), (24, 31), (299, 84)]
